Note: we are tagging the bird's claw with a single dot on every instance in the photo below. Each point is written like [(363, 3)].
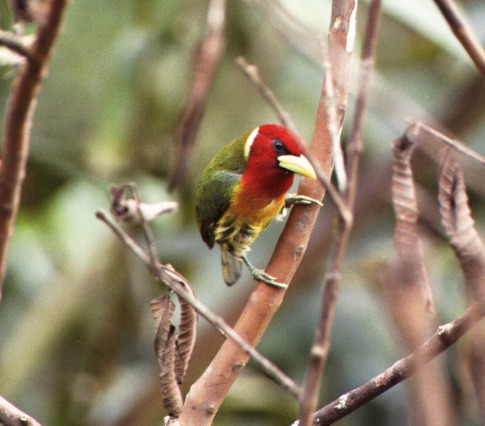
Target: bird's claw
[(300, 199), (260, 275)]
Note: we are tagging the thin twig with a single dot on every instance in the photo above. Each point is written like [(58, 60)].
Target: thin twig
[(332, 191), (455, 144), (321, 344), (207, 58), (297, 33), (335, 132), (446, 336), (147, 229), (252, 74), (18, 124), (463, 33), (177, 283), (15, 43)]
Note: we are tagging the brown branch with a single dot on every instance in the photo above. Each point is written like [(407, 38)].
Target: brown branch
[(446, 335), (15, 43), (206, 63), (10, 415), (180, 285), (207, 394), (20, 112), (321, 344), (29, 11), (463, 33), (335, 130)]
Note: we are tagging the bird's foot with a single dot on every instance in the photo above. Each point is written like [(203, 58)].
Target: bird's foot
[(292, 199), (260, 275)]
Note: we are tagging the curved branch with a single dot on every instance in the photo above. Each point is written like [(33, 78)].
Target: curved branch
[(15, 43), (182, 288), (21, 108), (445, 336)]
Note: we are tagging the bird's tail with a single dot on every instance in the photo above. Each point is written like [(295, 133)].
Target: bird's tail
[(231, 267)]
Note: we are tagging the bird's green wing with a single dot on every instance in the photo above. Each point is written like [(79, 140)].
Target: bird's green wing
[(213, 197)]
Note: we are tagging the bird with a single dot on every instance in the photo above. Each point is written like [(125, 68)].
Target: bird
[(243, 189)]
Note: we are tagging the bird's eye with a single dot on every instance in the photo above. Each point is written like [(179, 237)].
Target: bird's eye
[(279, 147)]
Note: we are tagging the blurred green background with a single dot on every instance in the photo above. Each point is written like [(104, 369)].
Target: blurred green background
[(76, 334)]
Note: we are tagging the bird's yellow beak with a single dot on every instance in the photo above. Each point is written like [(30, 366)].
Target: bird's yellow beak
[(299, 165)]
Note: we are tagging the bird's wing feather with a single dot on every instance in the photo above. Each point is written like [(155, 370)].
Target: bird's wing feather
[(213, 199)]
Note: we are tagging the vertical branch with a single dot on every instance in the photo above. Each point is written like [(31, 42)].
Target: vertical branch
[(18, 125), (207, 394), (206, 63), (321, 344)]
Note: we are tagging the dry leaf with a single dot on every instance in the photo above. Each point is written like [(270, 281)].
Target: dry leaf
[(185, 339), (459, 226)]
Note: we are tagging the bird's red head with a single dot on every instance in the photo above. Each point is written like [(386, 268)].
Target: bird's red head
[(269, 141), (273, 156)]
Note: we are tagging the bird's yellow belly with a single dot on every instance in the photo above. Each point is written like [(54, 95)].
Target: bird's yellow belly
[(243, 223)]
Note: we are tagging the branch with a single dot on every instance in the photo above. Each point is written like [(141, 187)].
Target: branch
[(206, 63), (463, 32), (21, 108), (335, 132), (297, 33), (15, 43), (453, 143), (10, 415), (445, 336), (178, 284), (265, 300), (321, 344)]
